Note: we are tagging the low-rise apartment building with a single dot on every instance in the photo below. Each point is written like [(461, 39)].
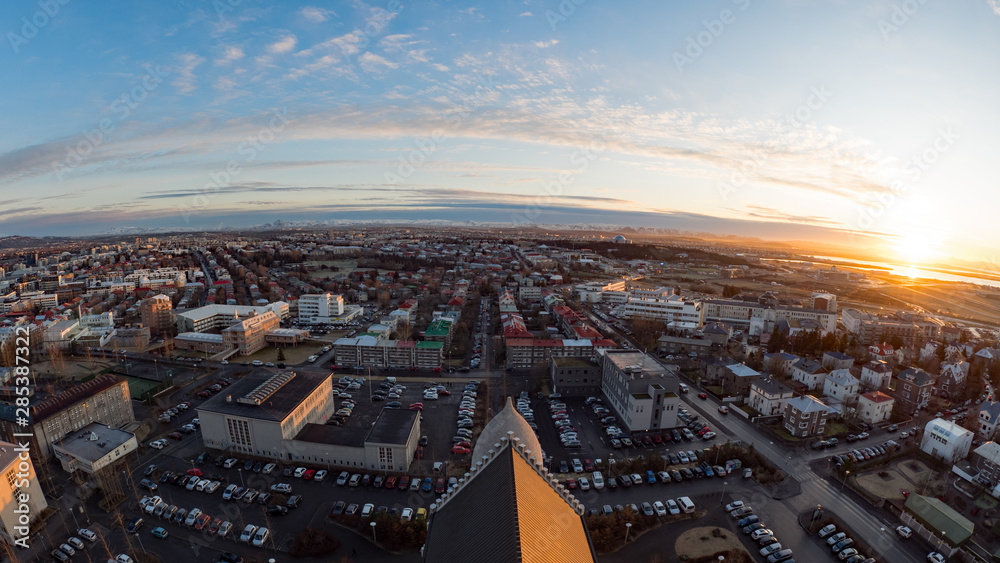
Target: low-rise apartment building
[(642, 392), (874, 407), (805, 416), (768, 396)]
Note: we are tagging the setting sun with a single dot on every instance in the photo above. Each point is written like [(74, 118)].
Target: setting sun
[(917, 248)]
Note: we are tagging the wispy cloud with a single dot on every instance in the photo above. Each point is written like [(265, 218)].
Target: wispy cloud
[(995, 4), (230, 54), (524, 14), (315, 14), (545, 44), (370, 62), (283, 45), (186, 79)]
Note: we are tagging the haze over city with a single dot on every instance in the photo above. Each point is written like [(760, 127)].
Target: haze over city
[(864, 126)]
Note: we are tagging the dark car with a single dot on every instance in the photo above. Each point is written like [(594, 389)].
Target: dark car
[(134, 526), (338, 508), (294, 501), (228, 557), (563, 467), (288, 471), (248, 465), (278, 510), (257, 467)]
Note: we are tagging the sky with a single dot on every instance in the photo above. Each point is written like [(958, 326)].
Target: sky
[(868, 125)]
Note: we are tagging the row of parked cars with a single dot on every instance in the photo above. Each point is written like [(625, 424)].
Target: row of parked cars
[(864, 454), (368, 510), (842, 545), (770, 548), (195, 518), (214, 388), (466, 411), (560, 417), (73, 544)]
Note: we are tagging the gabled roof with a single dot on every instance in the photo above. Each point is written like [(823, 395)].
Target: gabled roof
[(877, 397), (917, 377), (809, 366), (992, 408), (878, 366), (989, 450), (807, 404), (841, 377), (940, 517)]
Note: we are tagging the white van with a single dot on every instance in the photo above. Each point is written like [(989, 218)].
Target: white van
[(686, 505), (683, 387)]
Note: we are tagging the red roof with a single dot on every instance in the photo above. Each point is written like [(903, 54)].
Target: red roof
[(877, 396)]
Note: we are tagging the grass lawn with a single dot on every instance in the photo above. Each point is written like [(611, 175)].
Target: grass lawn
[(293, 354), (786, 436), (189, 354), (834, 428), (705, 541)]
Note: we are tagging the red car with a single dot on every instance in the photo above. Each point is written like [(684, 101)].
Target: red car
[(390, 482), (417, 407), (203, 394), (419, 454), (194, 471), (571, 484), (439, 485), (308, 475), (444, 392), (334, 366), (175, 436), (437, 369), (703, 431), (456, 449), (587, 465), (702, 395), (657, 439), (465, 444), (404, 482)]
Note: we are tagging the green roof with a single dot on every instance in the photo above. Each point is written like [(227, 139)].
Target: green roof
[(571, 361), (641, 396), (939, 517), (438, 328), (426, 344), (375, 334)]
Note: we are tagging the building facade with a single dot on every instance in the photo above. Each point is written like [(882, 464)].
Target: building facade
[(642, 392), (810, 373), (21, 497), (913, 389), (805, 416), (157, 313), (876, 375), (575, 377), (874, 407), (841, 385), (946, 440), (768, 396)]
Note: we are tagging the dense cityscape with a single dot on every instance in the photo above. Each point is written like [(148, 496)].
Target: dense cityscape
[(535, 281), (333, 393)]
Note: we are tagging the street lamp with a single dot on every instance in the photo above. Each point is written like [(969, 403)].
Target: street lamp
[(628, 526), (722, 496), (940, 541), (847, 474), (240, 471), (374, 540)]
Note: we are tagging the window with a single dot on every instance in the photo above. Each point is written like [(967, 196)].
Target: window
[(385, 457)]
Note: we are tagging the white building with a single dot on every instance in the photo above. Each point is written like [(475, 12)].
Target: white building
[(841, 385), (876, 375), (93, 448), (320, 308), (768, 396), (946, 440), (989, 417), (810, 373), (659, 304), (218, 317), (875, 407)]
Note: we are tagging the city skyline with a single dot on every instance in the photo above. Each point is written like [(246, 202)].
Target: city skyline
[(864, 126)]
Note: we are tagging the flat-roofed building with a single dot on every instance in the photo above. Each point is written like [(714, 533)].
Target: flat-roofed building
[(575, 376), (93, 448), (389, 444), (200, 341), (217, 317), (320, 308), (260, 413), (157, 313), (642, 392)]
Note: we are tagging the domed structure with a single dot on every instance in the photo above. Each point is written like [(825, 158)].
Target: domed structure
[(508, 419), (619, 240)]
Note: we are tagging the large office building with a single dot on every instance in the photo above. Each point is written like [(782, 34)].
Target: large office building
[(642, 392), (261, 413), (105, 399), (575, 377), (758, 317), (662, 305), (388, 445), (21, 498), (326, 308), (249, 335), (217, 317), (94, 447), (371, 351)]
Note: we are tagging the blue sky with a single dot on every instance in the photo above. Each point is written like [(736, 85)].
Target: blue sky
[(786, 119)]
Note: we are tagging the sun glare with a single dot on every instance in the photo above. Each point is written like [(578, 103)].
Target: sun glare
[(916, 248)]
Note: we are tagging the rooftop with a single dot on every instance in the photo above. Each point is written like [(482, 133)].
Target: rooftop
[(333, 435), (93, 441), (392, 426), (771, 387), (807, 404), (571, 362), (276, 407), (877, 397)]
